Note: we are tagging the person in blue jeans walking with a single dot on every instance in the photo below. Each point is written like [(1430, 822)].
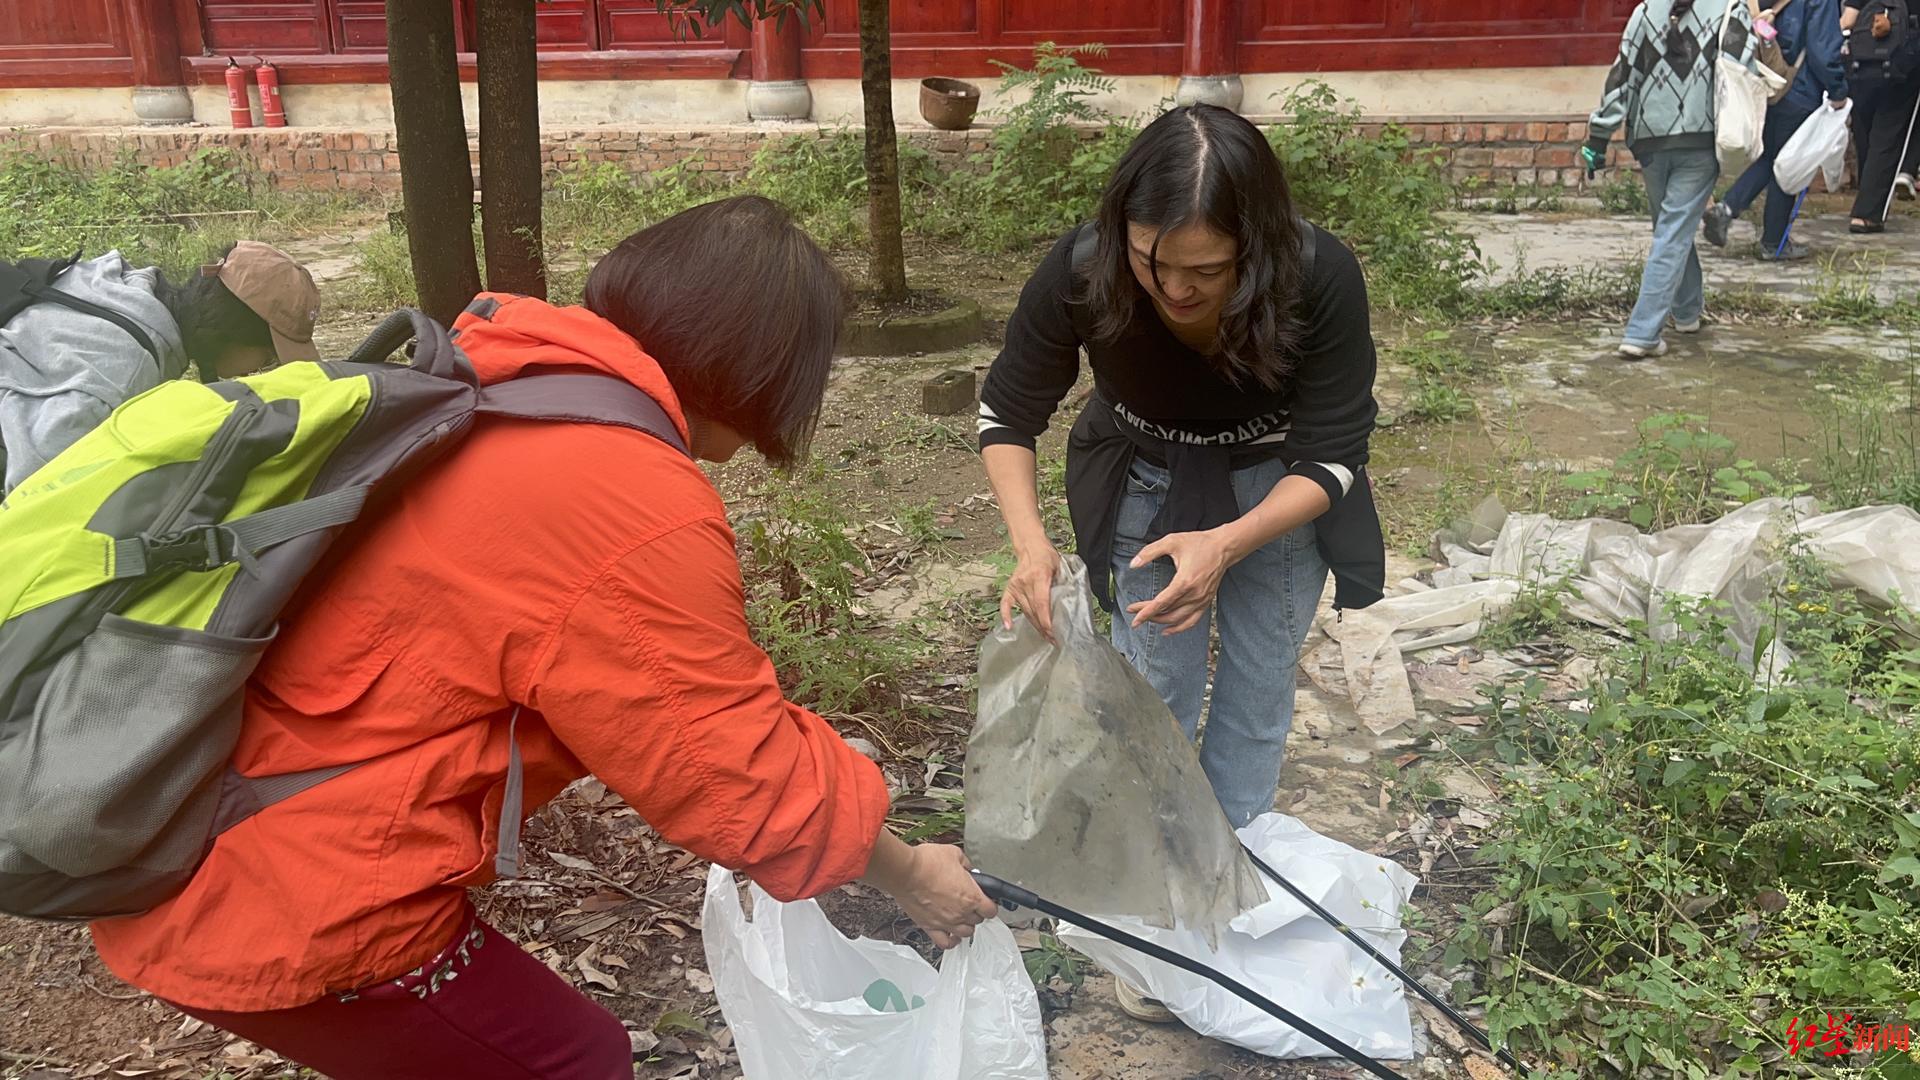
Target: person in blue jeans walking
[(1661, 88), (1810, 36), (1217, 473)]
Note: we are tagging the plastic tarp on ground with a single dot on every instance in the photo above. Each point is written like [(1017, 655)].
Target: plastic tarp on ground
[(1618, 575), (1082, 787), (1287, 953)]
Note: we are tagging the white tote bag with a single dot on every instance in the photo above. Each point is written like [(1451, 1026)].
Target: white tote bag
[(1819, 146), (804, 1001), (1739, 104)]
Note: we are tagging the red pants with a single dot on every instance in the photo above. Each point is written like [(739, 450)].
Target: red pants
[(481, 1010)]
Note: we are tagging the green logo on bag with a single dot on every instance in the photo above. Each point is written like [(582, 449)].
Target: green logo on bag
[(883, 996)]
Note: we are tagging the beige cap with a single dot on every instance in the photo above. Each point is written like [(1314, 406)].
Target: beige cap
[(278, 290)]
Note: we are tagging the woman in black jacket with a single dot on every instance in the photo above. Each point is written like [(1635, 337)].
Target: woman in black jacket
[(1218, 471)]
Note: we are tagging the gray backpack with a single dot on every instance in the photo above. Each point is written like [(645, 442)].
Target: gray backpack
[(142, 573)]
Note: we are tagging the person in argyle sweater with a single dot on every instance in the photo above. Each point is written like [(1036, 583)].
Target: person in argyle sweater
[(1661, 88)]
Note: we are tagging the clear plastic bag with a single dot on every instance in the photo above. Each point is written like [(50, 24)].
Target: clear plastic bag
[(1082, 787)]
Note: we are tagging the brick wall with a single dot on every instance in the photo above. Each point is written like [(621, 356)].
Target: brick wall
[(1523, 153)]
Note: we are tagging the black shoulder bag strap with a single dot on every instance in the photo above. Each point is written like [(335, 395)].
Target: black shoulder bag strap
[(30, 281)]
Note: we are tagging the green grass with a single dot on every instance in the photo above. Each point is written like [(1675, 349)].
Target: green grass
[(177, 218)]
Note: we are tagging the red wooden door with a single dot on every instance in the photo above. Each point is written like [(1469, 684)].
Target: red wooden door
[(566, 25), (253, 27), (360, 26), (48, 29)]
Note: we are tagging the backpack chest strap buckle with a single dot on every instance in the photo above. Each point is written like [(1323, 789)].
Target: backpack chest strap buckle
[(197, 549)]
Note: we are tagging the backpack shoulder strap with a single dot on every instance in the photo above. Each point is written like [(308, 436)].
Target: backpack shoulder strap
[(587, 399), (1086, 240), (30, 281)]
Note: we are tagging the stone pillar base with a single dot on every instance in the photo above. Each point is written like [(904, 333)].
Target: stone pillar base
[(1222, 90), (788, 99), (162, 105)]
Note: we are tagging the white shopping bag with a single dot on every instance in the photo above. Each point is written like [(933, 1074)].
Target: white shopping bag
[(1819, 146), (1286, 952), (802, 1000), (1740, 95)]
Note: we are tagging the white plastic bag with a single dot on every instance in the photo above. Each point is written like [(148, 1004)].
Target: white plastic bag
[(1819, 146), (1739, 113), (802, 1000), (1284, 951), (1740, 96)]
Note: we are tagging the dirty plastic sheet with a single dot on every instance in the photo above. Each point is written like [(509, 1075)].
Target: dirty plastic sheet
[(1618, 575), (1082, 787), (1287, 953)]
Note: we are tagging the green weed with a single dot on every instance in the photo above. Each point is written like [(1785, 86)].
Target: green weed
[(1844, 290), (1701, 853), (177, 218), (1533, 294), (802, 565), (1476, 194), (947, 818), (1679, 472), (383, 275), (592, 206), (1438, 371), (1050, 959), (1539, 610), (1381, 196), (1870, 434), (1622, 193), (1044, 171)]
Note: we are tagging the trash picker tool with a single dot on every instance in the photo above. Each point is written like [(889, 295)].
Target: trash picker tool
[(1013, 896)]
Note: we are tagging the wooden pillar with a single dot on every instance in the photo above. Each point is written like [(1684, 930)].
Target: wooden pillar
[(778, 90), (1209, 68), (153, 38)]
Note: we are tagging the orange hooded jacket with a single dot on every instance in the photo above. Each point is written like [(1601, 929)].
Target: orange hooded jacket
[(583, 571)]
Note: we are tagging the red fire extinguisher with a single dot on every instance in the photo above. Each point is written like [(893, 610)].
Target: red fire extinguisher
[(239, 110), (271, 109)]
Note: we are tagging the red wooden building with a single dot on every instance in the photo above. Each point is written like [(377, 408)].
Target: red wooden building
[(162, 48)]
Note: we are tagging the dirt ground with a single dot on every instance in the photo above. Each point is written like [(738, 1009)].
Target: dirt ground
[(616, 910)]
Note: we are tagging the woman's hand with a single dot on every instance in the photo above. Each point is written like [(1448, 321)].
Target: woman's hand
[(931, 883), (941, 897), (1200, 560), (1031, 589)]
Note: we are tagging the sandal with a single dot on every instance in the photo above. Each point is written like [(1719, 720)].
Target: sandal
[(1866, 228)]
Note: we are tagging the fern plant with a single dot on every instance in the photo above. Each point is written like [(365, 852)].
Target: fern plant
[(1057, 88)]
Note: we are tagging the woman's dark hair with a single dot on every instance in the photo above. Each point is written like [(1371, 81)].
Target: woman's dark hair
[(212, 319), (1204, 165), (741, 309)]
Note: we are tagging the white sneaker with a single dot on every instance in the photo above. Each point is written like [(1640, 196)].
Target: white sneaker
[(1687, 327), (1135, 1003), (1903, 186), (1642, 352)]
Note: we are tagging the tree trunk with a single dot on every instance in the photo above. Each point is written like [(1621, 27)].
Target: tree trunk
[(889, 264), (435, 172), (510, 147)]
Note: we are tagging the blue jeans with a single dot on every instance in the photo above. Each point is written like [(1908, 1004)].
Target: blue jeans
[(1679, 183), (1782, 121), (1265, 608)]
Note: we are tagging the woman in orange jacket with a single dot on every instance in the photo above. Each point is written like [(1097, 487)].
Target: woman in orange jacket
[(586, 574)]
